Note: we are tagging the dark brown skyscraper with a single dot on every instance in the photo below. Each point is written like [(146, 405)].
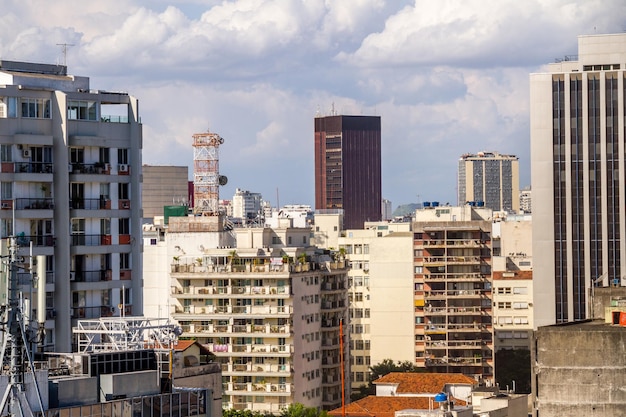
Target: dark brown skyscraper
[(348, 167)]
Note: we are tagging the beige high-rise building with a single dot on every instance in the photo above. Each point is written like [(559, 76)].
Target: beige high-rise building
[(578, 177), (489, 179), (380, 264), (163, 185), (70, 187)]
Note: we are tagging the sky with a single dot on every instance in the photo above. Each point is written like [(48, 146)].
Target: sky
[(447, 77)]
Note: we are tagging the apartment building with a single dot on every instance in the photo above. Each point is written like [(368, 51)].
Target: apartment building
[(247, 206), (489, 178), (70, 160), (452, 285), (512, 282), (271, 307), (577, 159), (370, 286)]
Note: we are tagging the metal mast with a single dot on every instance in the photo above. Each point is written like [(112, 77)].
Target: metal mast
[(18, 336), (206, 178)]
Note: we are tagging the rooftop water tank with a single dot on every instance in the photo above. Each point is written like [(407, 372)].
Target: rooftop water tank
[(441, 397), (426, 204), (435, 203)]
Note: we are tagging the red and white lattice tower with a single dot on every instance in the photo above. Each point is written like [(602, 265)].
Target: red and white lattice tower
[(206, 176)]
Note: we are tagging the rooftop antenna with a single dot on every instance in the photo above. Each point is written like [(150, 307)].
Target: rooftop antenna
[(64, 50)]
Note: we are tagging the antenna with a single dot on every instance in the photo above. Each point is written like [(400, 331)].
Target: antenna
[(64, 49)]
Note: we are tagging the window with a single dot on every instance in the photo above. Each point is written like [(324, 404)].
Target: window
[(77, 155), (419, 269), (6, 154), (358, 296), (358, 281), (6, 227), (8, 107), (504, 290), (104, 155), (366, 249), (6, 190), (123, 192), (521, 305), (81, 110), (124, 260), (35, 108), (122, 156), (504, 304), (124, 225), (105, 227), (520, 290)]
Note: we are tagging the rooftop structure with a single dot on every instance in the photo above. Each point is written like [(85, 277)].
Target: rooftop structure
[(206, 177)]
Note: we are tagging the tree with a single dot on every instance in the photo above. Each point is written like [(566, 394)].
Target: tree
[(242, 413), (299, 410), (385, 367)]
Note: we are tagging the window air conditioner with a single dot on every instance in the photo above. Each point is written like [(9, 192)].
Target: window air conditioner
[(26, 153), (6, 205), (123, 168)]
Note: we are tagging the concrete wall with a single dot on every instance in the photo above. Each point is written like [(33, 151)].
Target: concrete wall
[(580, 370)]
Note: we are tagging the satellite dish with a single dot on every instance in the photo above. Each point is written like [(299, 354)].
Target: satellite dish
[(223, 180)]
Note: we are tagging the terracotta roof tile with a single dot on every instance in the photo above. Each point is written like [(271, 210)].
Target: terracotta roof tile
[(423, 383), (373, 406)]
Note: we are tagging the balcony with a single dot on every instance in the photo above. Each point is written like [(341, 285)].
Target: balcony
[(93, 312), (86, 240), (32, 204), (90, 203), (25, 241), (124, 204), (29, 167), (93, 168), (91, 276)]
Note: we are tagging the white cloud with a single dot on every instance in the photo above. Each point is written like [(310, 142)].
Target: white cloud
[(446, 76)]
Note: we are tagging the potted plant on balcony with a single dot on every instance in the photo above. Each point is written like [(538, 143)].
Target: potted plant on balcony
[(176, 263)]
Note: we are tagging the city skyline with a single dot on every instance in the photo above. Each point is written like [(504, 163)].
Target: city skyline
[(446, 78)]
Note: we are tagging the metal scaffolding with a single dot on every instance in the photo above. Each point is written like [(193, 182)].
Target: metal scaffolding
[(206, 178)]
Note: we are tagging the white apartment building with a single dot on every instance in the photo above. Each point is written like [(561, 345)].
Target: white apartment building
[(266, 302), (247, 206), (512, 282), (70, 160), (577, 111)]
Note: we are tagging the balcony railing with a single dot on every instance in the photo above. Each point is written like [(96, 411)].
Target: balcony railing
[(24, 240), (93, 168), (90, 204), (86, 240), (34, 203), (33, 167), (91, 276), (92, 312)]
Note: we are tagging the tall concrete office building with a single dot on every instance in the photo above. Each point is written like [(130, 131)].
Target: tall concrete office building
[(348, 167), (163, 185), (578, 181), (70, 172), (490, 178)]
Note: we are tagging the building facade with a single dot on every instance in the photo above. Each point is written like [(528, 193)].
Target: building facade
[(452, 286), (70, 186), (162, 186), (578, 181), (491, 179), (512, 282), (247, 206), (268, 307), (348, 167)]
